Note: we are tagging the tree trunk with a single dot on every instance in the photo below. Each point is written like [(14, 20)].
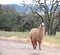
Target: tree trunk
[(51, 31)]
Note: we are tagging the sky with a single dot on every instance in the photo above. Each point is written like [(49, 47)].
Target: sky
[(18, 1), (14, 1)]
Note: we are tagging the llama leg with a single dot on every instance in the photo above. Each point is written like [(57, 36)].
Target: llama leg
[(40, 45), (34, 44)]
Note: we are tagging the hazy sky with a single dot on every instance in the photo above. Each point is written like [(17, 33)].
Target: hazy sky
[(18, 1), (14, 1)]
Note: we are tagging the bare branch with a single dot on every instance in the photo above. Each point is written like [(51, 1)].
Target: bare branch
[(40, 16), (54, 7), (37, 14)]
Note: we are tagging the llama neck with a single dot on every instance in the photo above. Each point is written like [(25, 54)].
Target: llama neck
[(41, 31)]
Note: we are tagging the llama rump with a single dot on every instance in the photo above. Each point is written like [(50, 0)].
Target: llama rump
[(36, 35)]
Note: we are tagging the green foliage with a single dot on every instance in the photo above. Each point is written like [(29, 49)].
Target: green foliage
[(10, 20), (13, 21)]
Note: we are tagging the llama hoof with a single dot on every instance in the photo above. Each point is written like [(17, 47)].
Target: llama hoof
[(34, 47), (39, 48)]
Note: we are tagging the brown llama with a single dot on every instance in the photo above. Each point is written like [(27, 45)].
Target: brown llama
[(36, 35)]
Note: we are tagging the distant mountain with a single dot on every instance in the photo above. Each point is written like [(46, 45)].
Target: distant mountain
[(22, 8), (19, 8)]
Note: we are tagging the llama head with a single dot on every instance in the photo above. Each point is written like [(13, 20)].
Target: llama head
[(42, 24)]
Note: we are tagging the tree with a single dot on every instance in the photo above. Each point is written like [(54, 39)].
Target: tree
[(7, 17), (1, 15), (51, 14)]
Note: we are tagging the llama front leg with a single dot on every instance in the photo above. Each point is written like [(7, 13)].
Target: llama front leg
[(39, 45), (34, 43)]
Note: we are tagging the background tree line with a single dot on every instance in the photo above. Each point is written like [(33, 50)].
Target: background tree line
[(10, 20)]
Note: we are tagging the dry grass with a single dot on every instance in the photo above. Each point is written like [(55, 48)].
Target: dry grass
[(24, 37)]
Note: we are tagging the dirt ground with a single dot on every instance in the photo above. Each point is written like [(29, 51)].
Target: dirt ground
[(27, 40), (20, 48)]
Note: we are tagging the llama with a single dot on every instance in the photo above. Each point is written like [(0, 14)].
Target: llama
[(36, 35)]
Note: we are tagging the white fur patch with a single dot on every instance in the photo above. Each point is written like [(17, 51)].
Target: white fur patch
[(43, 24)]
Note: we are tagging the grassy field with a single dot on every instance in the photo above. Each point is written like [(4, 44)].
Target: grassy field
[(53, 39), (18, 34), (50, 39)]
